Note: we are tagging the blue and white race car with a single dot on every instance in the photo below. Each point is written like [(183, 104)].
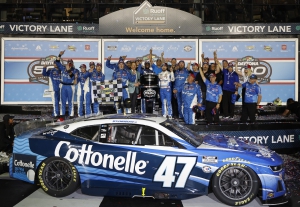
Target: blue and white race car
[(146, 156)]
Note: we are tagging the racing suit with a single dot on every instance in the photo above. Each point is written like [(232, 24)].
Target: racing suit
[(67, 88), (191, 96), (114, 66), (165, 78), (156, 69), (83, 94), (125, 76), (54, 81), (94, 76), (180, 78)]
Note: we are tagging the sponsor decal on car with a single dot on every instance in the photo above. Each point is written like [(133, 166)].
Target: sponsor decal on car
[(209, 159), (206, 169)]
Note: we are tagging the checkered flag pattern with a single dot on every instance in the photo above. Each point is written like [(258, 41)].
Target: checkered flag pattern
[(107, 91)]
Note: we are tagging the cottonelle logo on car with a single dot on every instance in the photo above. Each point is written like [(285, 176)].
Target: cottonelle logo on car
[(86, 156), (35, 69), (86, 29), (24, 165), (260, 68)]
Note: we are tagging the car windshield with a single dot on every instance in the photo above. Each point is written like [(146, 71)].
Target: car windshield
[(185, 133)]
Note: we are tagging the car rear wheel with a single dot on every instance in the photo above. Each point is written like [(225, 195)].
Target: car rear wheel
[(235, 184), (58, 177)]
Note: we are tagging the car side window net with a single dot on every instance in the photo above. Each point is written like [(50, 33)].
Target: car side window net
[(88, 132)]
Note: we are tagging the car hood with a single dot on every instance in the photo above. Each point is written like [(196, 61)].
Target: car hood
[(222, 141)]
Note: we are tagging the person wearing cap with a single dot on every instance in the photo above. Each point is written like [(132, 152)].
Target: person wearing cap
[(115, 66), (180, 78), (94, 75), (92, 66), (165, 79), (133, 87), (191, 96), (213, 97), (252, 99), (125, 76), (204, 59), (195, 68), (8, 135), (156, 67), (230, 77), (146, 70), (83, 95), (54, 75), (67, 89), (292, 107)]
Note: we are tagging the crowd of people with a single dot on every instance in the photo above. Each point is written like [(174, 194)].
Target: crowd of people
[(187, 91)]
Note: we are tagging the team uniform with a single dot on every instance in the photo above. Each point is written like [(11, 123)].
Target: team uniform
[(67, 89), (165, 80), (191, 96), (94, 76), (83, 94), (228, 89), (156, 69), (114, 66), (251, 95), (180, 78), (54, 75), (213, 91)]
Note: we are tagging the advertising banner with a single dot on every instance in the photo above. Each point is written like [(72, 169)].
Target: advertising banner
[(23, 60), (275, 62), (133, 49)]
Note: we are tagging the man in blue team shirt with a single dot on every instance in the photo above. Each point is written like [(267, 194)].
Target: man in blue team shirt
[(95, 75), (68, 81), (180, 78), (213, 97), (54, 81), (124, 76), (82, 90), (156, 68), (252, 98), (191, 96), (115, 66)]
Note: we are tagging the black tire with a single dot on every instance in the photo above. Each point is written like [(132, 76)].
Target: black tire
[(235, 184), (58, 177)]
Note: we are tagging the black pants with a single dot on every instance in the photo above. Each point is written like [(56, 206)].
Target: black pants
[(243, 97), (133, 99), (228, 107), (248, 110), (208, 108), (174, 106)]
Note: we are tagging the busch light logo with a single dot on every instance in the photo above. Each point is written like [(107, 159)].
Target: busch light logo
[(149, 93), (261, 68), (35, 69), (86, 156)]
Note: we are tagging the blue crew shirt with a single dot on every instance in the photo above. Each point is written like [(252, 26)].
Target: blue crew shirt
[(156, 69), (229, 79), (54, 74), (191, 95), (180, 78), (252, 92), (213, 91)]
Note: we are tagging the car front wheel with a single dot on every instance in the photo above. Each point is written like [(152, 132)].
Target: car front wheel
[(235, 184), (58, 177)]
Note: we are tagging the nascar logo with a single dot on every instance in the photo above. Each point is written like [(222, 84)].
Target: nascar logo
[(86, 156)]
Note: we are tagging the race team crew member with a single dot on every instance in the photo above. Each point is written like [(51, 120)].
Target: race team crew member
[(165, 79), (156, 68), (115, 66), (213, 98), (180, 78), (252, 99), (54, 82), (191, 96), (68, 82), (94, 75), (146, 70), (292, 107), (124, 76), (83, 81)]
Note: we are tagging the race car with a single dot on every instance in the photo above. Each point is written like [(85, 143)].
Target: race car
[(144, 155)]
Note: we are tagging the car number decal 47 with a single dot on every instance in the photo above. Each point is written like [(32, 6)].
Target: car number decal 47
[(166, 171)]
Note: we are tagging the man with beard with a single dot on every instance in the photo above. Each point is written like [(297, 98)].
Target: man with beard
[(180, 78), (165, 79)]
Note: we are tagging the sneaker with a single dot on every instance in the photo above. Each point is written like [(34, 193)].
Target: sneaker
[(3, 154), (226, 117), (169, 117)]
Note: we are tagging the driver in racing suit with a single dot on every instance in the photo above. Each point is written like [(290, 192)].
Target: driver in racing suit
[(191, 96), (54, 81), (82, 90)]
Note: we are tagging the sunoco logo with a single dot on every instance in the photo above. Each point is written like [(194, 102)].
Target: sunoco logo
[(146, 14), (35, 69), (149, 93), (86, 156), (261, 69)]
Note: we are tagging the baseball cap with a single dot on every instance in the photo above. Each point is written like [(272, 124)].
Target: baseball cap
[(128, 61), (247, 66), (173, 59), (224, 61), (205, 63), (253, 76), (147, 62), (165, 64), (7, 117), (230, 65), (82, 66), (195, 64), (212, 75), (181, 61), (192, 74), (70, 61), (92, 63), (206, 58), (99, 64), (121, 61)]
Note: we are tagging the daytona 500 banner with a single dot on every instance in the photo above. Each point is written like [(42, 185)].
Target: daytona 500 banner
[(23, 60), (273, 61)]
